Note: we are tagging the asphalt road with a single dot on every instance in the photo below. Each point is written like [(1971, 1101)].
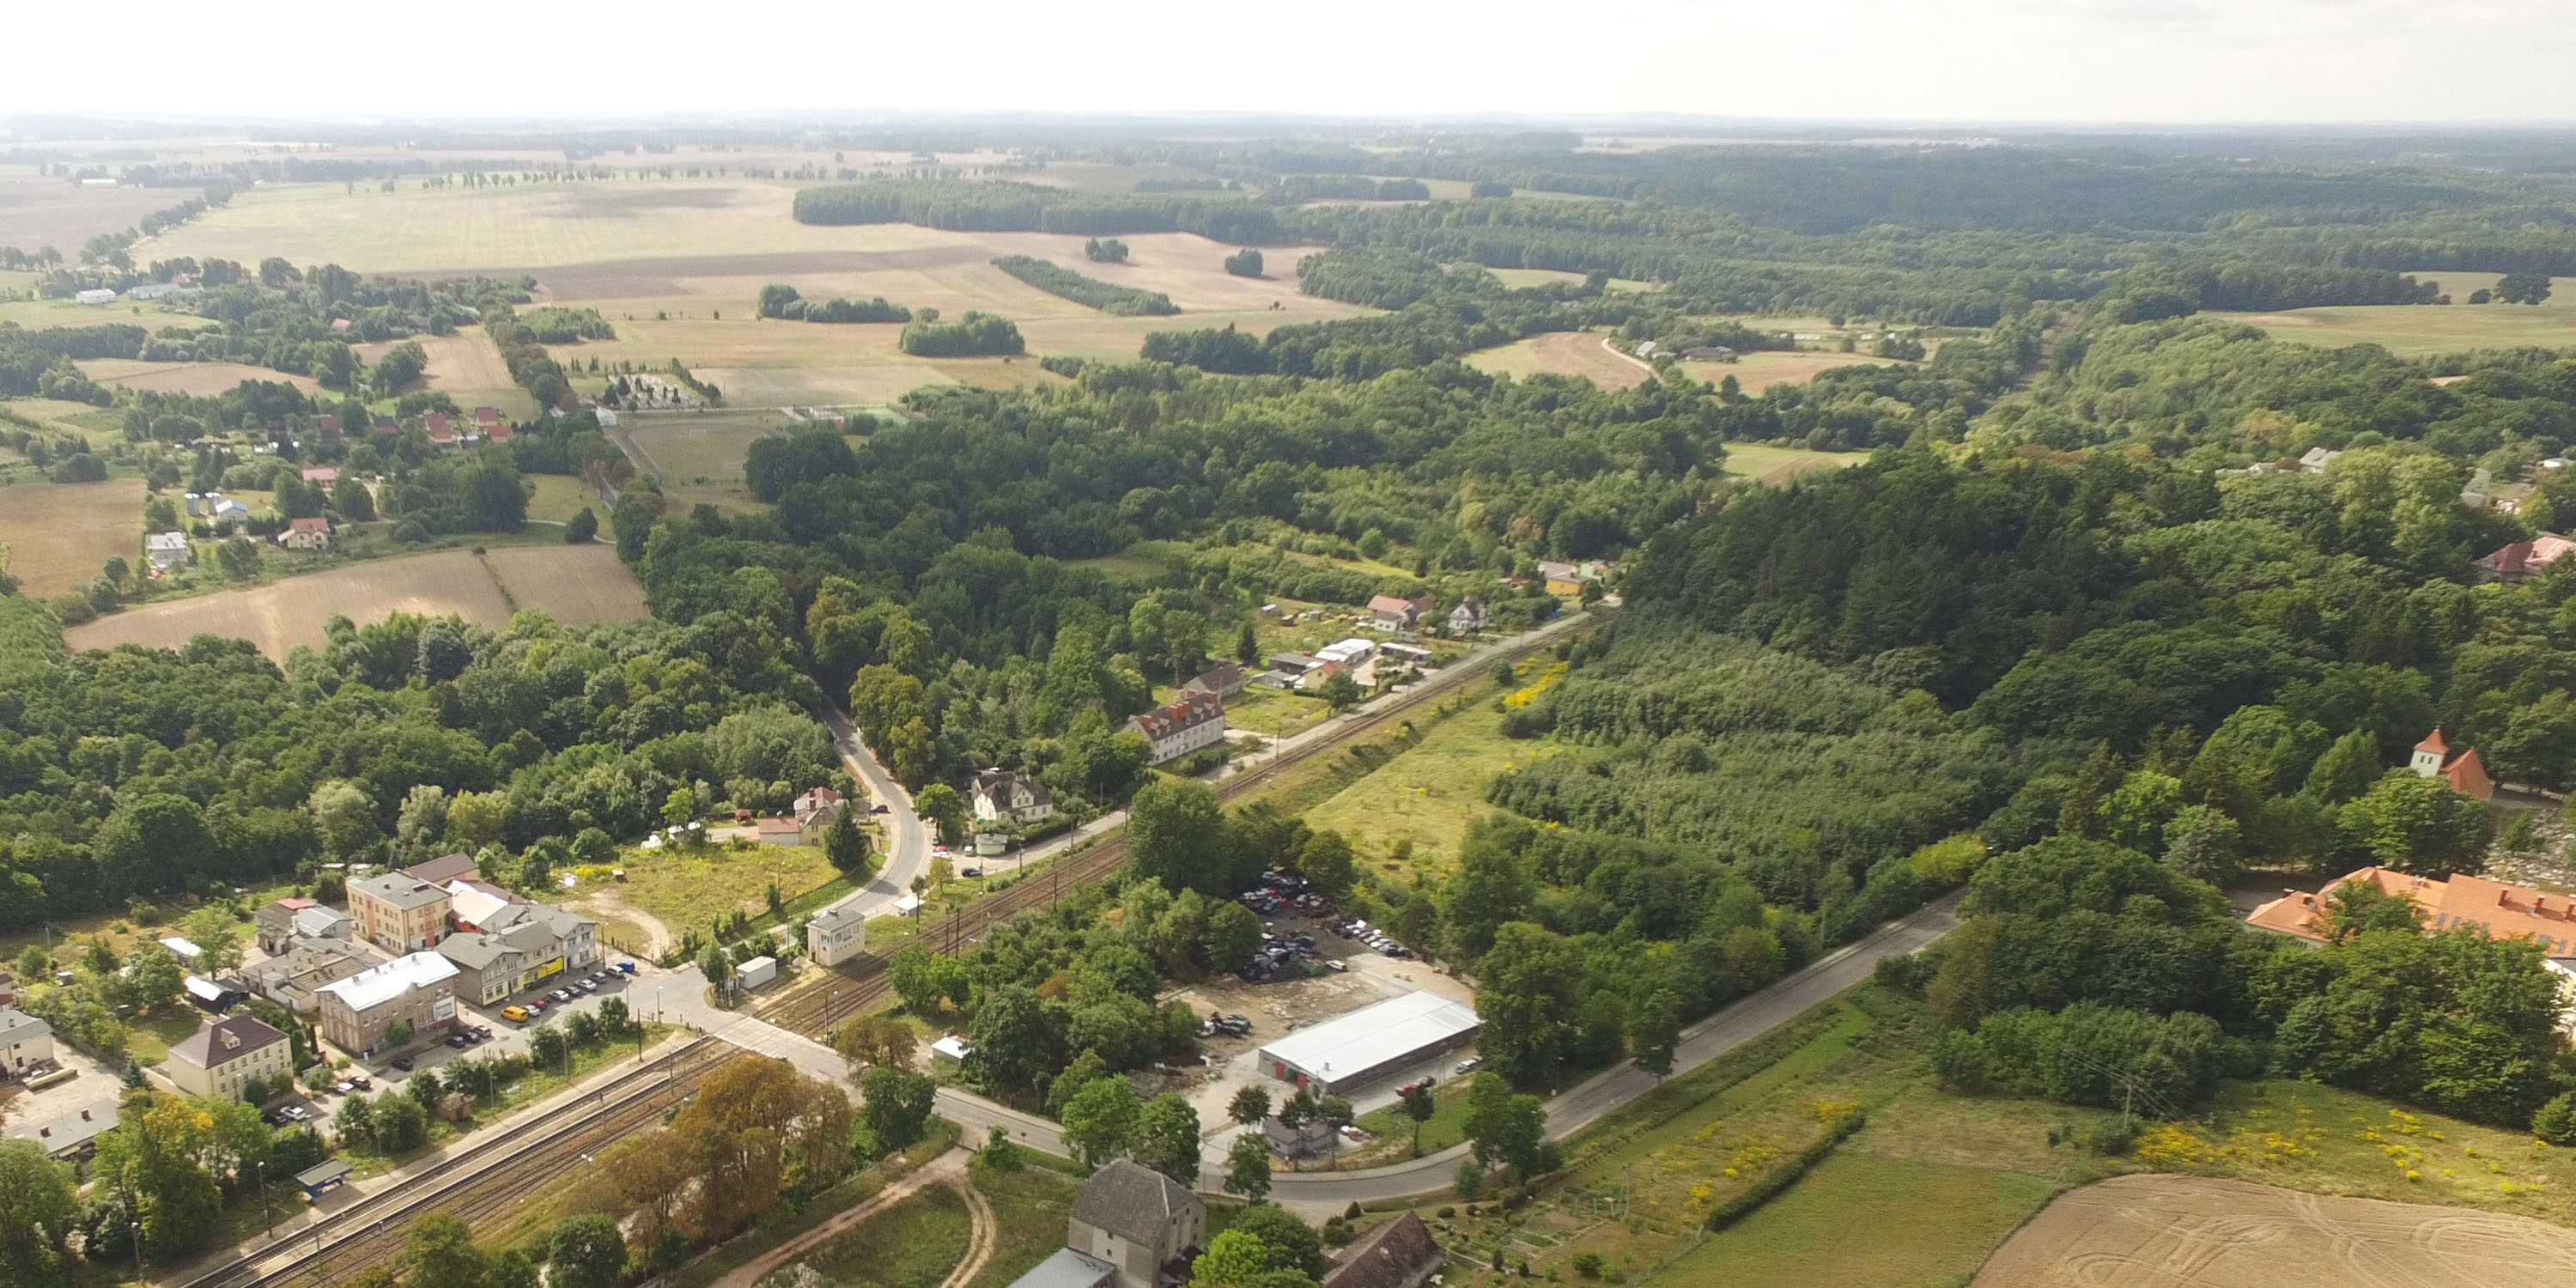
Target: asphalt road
[(1720, 1033), (907, 849)]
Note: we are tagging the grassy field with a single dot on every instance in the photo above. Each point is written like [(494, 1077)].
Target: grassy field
[(560, 496), (466, 368), (2417, 330), (1764, 463), (699, 457), (40, 210), (1755, 372), (1029, 1209), (1926, 1226), (1272, 713), (574, 583), (1563, 353), (1517, 278), (1428, 794), (913, 1244), (691, 889), (202, 379), (57, 534)]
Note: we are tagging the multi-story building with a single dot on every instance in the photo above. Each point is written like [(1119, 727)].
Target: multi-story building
[(399, 912), (293, 976), (517, 946), (835, 935), (24, 1041), (999, 796), (223, 1054), (1197, 720), (418, 990)]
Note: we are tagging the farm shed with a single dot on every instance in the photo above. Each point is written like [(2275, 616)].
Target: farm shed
[(1370, 1042)]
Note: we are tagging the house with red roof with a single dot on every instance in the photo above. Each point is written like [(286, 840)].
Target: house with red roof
[(2466, 774), (2524, 560), (442, 431), (306, 534), (1197, 720)]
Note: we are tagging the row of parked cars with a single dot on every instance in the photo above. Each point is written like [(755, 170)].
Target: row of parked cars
[(530, 1009), (1371, 936)]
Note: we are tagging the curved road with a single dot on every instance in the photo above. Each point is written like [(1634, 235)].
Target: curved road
[(907, 848)]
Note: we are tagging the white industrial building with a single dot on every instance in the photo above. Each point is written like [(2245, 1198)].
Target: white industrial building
[(1370, 1042)]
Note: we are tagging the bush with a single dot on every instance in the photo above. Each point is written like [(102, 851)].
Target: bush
[(409, 532), (1588, 1264), (1471, 1179), (2556, 1121)]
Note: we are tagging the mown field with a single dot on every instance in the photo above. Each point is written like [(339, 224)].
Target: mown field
[(2423, 330), (678, 265), (574, 583), (699, 457), (1563, 353), (58, 534), (202, 379), (466, 368), (1758, 371), (41, 210), (1764, 463)]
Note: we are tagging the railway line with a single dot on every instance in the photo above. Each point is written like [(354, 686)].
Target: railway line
[(479, 1184), (862, 985)]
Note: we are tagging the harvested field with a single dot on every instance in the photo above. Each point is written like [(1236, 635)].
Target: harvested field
[(465, 360), (574, 583), (38, 210), (1764, 463), (2196, 1232), (1756, 372), (57, 534), (202, 379), (1564, 353)]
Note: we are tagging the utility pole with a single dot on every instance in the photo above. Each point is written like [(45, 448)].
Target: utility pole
[(267, 1215)]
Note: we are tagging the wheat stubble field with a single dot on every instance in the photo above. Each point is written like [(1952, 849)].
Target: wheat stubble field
[(2198, 1232), (575, 584)]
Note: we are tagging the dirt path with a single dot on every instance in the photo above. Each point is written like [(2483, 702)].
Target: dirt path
[(607, 904), (981, 1237), (947, 1169)]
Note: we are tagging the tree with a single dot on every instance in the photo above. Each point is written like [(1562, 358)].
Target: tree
[(1247, 1168), (1504, 1127), (1101, 1120), (1167, 1138), (1233, 932), (587, 1251), (1250, 1105), (2522, 288), (36, 1207), (715, 965), (1327, 861), (582, 529), (1176, 835), (1655, 1033), (1529, 994), (440, 1253), (897, 1104), (1247, 646), (1420, 1107), (1293, 1244), (876, 1042), (1234, 1259), (1493, 885), (150, 1161), (941, 806), (343, 817), (2201, 843), (2555, 1121), (2416, 825), (1017, 1039), (1340, 691), (213, 929), (846, 846), (153, 843), (1244, 263)]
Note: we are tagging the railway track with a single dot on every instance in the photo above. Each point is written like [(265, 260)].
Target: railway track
[(478, 1185), (862, 985)]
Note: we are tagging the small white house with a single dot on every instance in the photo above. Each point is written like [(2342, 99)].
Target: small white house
[(168, 550), (95, 296)]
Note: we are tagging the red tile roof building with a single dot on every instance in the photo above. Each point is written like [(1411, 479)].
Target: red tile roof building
[(2466, 774), (1197, 720), (2502, 911), (2524, 560)]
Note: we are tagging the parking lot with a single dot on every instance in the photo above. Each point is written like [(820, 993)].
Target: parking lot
[(53, 1116)]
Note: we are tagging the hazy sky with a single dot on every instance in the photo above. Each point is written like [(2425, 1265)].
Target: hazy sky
[(1918, 60)]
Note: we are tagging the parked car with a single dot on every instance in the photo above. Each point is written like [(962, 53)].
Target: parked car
[(482, 1032), (516, 1014), (625, 968), (970, 872), (559, 996), (1470, 1065), (460, 1041), (1425, 1085), (878, 808), (403, 1063)]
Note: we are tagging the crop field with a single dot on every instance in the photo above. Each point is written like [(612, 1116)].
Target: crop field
[(1520, 277), (36, 210), (2423, 330), (678, 266), (202, 379), (1924, 1224), (2153, 1231), (57, 534), (1564, 353), (1764, 463), (574, 583), (466, 368), (1756, 372)]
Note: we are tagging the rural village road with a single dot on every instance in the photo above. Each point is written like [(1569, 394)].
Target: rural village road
[(907, 846)]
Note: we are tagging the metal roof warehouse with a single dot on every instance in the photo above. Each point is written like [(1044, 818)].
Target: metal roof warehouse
[(1371, 1041)]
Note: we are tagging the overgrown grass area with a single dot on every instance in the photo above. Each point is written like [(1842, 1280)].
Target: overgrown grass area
[(148, 1038), (1394, 1128), (1429, 793), (1869, 1223), (1029, 1211), (684, 888)]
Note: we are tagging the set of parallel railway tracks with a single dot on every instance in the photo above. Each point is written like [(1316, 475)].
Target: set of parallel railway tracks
[(478, 1184)]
